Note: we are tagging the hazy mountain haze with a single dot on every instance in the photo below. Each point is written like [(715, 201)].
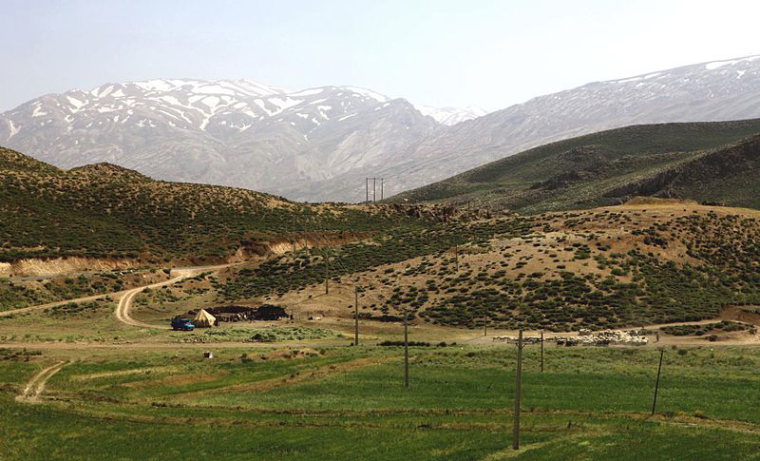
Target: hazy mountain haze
[(440, 53), (321, 143)]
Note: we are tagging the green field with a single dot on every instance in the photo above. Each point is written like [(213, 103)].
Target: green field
[(264, 403)]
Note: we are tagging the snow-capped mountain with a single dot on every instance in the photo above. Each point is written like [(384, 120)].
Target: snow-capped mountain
[(320, 143), (712, 91), (452, 115), (237, 133)]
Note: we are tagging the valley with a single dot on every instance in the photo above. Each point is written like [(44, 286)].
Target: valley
[(379, 231), (98, 260)]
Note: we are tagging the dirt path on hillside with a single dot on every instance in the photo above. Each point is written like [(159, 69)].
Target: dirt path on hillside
[(125, 297), (36, 385), (38, 307), (125, 303)]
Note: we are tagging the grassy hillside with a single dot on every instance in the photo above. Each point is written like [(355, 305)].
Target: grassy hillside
[(713, 162), (104, 210), (647, 262)]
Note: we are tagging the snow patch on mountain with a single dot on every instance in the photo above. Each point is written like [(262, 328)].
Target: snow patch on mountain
[(320, 143), (452, 115), (718, 64), (12, 129), (237, 133), (368, 93)]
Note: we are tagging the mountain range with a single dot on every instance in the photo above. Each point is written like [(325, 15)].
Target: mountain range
[(709, 162), (319, 144)]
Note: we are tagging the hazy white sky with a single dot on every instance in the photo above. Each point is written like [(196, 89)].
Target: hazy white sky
[(440, 52)]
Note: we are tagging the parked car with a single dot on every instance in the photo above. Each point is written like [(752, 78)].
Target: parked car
[(180, 324)]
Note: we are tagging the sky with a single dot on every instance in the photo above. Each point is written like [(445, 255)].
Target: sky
[(484, 53)]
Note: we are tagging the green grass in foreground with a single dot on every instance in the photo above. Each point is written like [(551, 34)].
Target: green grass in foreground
[(349, 403)]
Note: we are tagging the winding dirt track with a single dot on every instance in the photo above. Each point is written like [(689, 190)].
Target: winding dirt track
[(38, 307), (36, 385), (125, 297), (125, 302)]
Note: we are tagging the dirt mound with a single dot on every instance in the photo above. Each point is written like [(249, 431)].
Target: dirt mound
[(60, 266), (303, 240), (658, 201)]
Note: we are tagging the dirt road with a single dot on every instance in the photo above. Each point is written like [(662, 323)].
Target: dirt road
[(36, 385), (38, 307), (125, 297), (125, 302)]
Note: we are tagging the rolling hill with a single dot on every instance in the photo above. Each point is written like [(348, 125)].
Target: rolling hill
[(103, 210), (707, 162)]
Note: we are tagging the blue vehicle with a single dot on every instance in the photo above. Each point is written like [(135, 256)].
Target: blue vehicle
[(180, 324)]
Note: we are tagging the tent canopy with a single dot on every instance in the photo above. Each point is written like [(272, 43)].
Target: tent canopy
[(204, 319)]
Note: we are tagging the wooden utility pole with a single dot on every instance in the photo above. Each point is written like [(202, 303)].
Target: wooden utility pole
[(518, 385), (485, 326), (406, 348), (327, 273), (374, 191), (382, 187), (456, 256), (356, 315), (657, 382), (542, 351), (367, 189)]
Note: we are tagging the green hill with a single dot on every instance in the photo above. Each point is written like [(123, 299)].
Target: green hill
[(107, 211), (708, 162)]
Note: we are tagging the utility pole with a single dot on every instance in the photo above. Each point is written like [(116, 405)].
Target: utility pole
[(382, 186), (356, 315), (485, 326), (406, 348), (367, 189), (456, 256), (657, 383), (542, 351), (327, 273), (518, 385), (374, 191)]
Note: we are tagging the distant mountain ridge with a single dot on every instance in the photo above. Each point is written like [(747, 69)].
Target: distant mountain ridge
[(319, 144), (713, 91), (713, 162), (237, 133)]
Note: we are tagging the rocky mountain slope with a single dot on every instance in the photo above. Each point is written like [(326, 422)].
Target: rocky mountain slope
[(450, 116), (715, 162), (716, 91), (231, 133), (320, 144)]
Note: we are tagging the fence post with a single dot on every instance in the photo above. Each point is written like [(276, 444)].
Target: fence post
[(657, 382), (356, 315), (518, 385), (406, 348), (542, 351)]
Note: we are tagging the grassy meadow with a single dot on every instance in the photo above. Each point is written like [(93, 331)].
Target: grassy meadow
[(337, 402)]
